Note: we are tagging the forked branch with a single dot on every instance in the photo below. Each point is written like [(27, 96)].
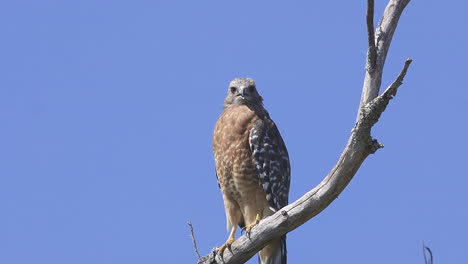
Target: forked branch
[(377, 54)]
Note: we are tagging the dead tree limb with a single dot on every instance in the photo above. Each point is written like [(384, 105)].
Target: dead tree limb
[(194, 241), (377, 53), (359, 146)]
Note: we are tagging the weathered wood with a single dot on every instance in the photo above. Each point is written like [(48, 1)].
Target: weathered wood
[(377, 54), (359, 146)]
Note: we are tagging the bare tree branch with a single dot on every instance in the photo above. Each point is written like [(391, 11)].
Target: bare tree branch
[(192, 235), (392, 89), (360, 145), (383, 38), (372, 51)]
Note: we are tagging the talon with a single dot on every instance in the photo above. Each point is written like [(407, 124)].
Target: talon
[(224, 246), (249, 228), (228, 243)]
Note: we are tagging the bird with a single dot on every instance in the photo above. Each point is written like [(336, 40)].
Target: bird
[(252, 166)]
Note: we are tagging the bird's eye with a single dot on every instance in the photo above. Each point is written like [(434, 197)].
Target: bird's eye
[(233, 89)]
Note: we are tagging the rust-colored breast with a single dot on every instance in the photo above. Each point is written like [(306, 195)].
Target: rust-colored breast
[(235, 169)]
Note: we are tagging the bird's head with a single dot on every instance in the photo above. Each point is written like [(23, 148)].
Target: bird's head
[(242, 91)]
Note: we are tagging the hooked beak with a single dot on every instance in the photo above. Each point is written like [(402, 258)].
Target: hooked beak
[(242, 91)]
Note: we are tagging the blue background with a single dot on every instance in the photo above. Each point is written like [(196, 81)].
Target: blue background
[(107, 110)]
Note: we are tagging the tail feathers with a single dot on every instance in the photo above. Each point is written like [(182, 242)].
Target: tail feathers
[(274, 253)]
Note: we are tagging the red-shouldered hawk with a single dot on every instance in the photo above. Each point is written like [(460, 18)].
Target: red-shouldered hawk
[(252, 165)]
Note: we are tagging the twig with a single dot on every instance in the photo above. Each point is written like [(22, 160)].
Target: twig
[(426, 260), (392, 88), (192, 235), (399, 80)]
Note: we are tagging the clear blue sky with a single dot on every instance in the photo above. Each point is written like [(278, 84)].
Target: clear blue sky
[(107, 110)]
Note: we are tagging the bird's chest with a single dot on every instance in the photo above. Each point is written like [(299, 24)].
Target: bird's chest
[(234, 162)]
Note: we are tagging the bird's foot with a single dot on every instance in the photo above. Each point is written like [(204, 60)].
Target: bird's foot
[(249, 227), (224, 246)]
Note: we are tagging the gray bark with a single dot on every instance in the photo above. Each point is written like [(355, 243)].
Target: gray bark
[(379, 43), (359, 146)]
